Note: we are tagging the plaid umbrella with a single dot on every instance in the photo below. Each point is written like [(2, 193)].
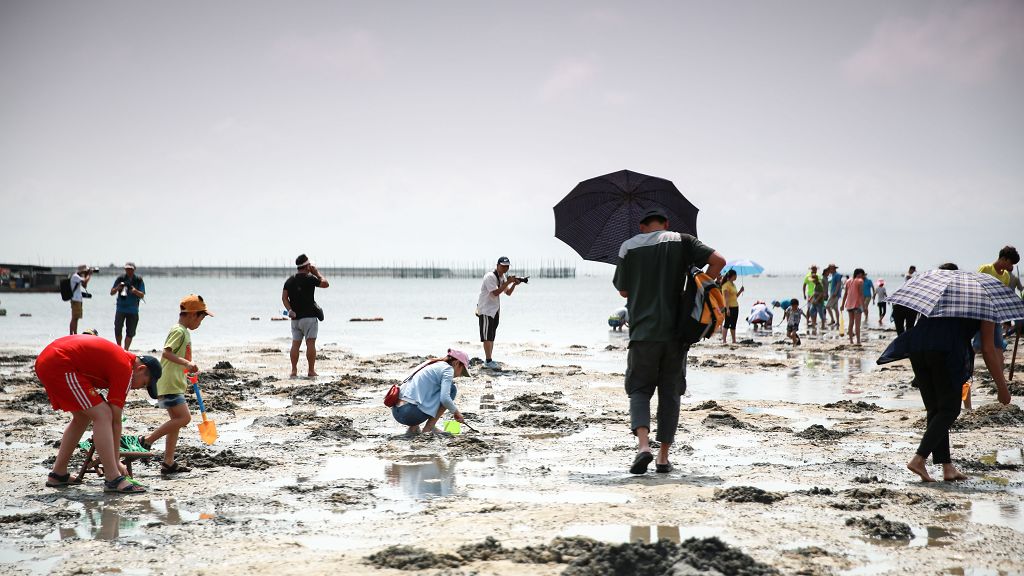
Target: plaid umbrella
[(602, 213), (959, 294)]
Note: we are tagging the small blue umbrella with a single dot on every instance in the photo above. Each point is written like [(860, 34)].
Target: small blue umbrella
[(744, 267)]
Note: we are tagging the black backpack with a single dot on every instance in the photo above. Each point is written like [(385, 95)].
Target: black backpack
[(65, 289)]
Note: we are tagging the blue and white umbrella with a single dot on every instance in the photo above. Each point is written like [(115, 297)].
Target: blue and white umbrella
[(744, 267), (959, 294)]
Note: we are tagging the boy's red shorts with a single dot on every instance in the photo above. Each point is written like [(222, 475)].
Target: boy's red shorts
[(68, 390)]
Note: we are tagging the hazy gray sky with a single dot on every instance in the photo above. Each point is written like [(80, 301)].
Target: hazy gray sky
[(870, 133)]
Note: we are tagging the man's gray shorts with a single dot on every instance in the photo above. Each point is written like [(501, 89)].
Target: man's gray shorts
[(304, 328), (656, 367)]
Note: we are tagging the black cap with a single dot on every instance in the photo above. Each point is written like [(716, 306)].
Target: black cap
[(301, 261), (504, 261), (653, 213), (153, 365)]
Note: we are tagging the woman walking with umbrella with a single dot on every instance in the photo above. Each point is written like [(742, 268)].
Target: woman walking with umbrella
[(954, 306)]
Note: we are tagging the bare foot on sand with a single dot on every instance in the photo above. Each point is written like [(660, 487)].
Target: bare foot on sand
[(951, 474), (312, 375), (916, 465)]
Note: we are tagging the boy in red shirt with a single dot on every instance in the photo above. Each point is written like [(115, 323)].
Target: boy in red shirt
[(72, 370)]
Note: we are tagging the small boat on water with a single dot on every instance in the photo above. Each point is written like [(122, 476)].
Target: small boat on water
[(28, 278)]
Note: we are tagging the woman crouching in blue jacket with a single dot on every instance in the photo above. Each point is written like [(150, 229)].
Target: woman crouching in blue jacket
[(429, 391)]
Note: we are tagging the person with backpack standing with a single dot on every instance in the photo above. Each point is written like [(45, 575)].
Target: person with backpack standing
[(79, 281), (650, 274), (130, 289), (488, 306), (305, 314)]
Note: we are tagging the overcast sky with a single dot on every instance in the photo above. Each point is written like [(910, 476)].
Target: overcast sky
[(875, 134)]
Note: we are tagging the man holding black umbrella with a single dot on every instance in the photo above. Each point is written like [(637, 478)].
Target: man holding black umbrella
[(650, 273)]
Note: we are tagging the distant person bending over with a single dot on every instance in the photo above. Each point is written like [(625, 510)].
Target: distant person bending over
[(619, 319), (760, 316), (732, 304), (488, 305), (130, 289), (79, 282), (298, 300), (882, 298), (792, 316), (1000, 270), (650, 275), (429, 391), (853, 303)]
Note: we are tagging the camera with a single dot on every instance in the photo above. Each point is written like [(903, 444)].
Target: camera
[(523, 279), (86, 294)]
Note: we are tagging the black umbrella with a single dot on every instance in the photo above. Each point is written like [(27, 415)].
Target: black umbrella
[(602, 213)]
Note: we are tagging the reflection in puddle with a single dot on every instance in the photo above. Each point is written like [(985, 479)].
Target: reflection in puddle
[(25, 561), (1008, 457), (101, 521), (1008, 514), (643, 533), (276, 402), (423, 479)]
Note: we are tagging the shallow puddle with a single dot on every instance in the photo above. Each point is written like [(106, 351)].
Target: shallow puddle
[(1008, 514), (626, 533), (1005, 457), (100, 521), (27, 562)]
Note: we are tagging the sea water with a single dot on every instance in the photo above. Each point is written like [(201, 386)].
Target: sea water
[(542, 313)]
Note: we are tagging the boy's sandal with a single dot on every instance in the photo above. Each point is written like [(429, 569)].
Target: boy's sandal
[(114, 486), (144, 444), (174, 468), (55, 480)]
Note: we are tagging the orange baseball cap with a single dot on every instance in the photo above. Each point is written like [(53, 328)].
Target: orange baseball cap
[(193, 303)]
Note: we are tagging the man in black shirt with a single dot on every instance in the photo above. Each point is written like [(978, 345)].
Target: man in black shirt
[(297, 298)]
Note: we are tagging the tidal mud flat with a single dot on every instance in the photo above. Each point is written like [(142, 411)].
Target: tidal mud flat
[(788, 460)]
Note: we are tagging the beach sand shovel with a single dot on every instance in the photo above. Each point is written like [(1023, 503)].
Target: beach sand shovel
[(207, 428)]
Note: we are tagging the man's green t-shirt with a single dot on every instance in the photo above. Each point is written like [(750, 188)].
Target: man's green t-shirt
[(651, 271), (172, 380), (809, 285)]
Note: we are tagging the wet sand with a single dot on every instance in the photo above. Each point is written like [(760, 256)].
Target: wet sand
[(793, 458)]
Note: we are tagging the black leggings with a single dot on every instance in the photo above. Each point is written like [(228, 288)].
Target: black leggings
[(904, 318), (881, 310), (941, 397)]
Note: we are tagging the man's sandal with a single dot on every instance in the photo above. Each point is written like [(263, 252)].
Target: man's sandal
[(55, 480), (144, 444), (114, 486), (174, 468)]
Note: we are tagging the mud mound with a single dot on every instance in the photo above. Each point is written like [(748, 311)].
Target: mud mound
[(540, 421), (868, 480), (469, 446), (411, 558), (223, 365), (332, 393), (878, 527), (27, 423), (626, 560), (727, 420), (664, 558), (705, 405), (286, 420), (748, 494), (489, 549), (39, 517), (707, 554), (851, 406), (360, 381), (711, 363), (14, 359), (34, 402), (202, 458), (335, 428), (990, 415), (818, 433), (533, 403), (562, 550)]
